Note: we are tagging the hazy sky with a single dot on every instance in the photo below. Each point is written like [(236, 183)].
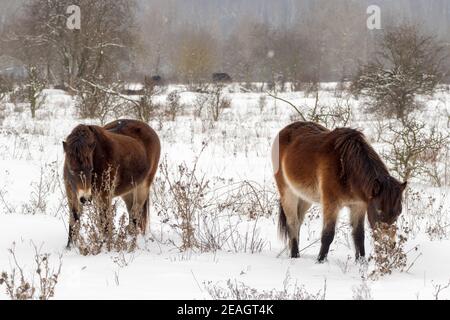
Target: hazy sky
[(221, 15), (224, 14)]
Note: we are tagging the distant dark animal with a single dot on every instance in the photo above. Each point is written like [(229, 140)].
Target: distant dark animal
[(221, 77), (61, 87), (122, 156), (154, 80), (337, 169)]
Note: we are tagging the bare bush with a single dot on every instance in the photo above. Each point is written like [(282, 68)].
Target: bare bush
[(173, 105), (187, 189), (201, 101), (408, 64), (97, 228), (19, 287), (337, 115), (414, 148), (145, 108), (41, 190), (209, 218), (438, 223), (340, 114), (389, 253), (95, 102), (217, 101), (427, 212), (33, 88)]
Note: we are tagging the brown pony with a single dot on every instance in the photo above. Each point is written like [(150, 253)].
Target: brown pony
[(337, 169), (120, 158)]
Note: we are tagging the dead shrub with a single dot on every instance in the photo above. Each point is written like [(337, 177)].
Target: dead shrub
[(173, 105), (388, 250), (97, 228), (413, 148), (201, 100), (337, 115), (185, 190), (145, 109), (426, 211), (97, 102), (213, 101), (208, 217), (19, 287)]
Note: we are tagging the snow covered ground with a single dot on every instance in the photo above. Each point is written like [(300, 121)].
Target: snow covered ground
[(33, 210)]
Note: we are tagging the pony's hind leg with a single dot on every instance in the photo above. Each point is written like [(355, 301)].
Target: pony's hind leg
[(129, 202), (292, 211), (143, 201), (330, 212), (137, 207), (357, 218)]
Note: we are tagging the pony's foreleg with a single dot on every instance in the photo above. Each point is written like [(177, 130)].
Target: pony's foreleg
[(357, 216), (330, 212), (73, 220)]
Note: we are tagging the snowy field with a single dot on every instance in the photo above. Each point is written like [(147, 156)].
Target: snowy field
[(235, 159)]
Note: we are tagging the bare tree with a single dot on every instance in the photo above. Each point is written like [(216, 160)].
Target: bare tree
[(409, 63), (195, 57), (94, 52), (34, 85)]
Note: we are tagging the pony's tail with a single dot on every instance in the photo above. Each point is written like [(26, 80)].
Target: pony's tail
[(282, 224), (143, 221)]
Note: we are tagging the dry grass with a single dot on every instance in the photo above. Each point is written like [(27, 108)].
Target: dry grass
[(209, 215), (234, 290)]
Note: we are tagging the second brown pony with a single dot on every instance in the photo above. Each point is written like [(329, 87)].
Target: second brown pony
[(337, 169), (120, 158)]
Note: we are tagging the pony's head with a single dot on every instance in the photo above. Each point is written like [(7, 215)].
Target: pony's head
[(79, 149), (385, 205)]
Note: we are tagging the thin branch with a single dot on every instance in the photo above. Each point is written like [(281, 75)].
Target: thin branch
[(290, 103)]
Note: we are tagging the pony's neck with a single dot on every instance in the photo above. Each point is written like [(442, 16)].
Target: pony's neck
[(369, 172), (362, 166)]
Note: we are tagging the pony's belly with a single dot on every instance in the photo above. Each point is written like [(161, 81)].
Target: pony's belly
[(308, 194)]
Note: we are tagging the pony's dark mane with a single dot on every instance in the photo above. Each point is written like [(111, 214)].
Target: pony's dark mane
[(360, 164), (76, 142)]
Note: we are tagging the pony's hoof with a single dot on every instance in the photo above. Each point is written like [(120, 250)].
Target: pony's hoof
[(361, 260), (321, 260)]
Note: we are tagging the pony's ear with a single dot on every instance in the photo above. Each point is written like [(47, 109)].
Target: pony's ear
[(376, 189), (64, 146), (403, 185)]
